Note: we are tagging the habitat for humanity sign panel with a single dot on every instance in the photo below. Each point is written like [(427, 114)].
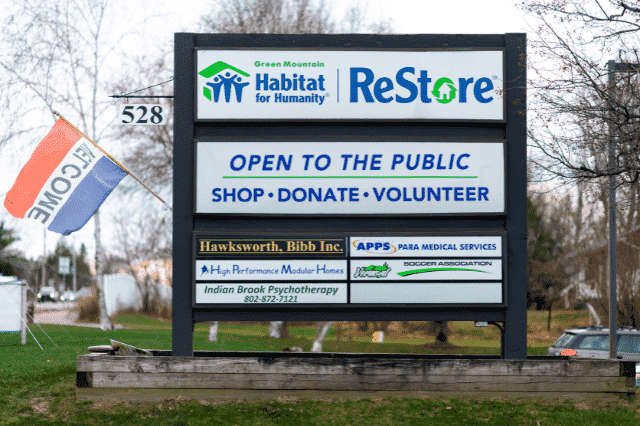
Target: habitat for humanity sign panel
[(350, 177), (364, 270), (316, 84)]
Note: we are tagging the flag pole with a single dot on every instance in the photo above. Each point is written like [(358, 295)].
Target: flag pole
[(112, 159)]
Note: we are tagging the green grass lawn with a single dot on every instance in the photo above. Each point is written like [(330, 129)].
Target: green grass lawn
[(37, 387)]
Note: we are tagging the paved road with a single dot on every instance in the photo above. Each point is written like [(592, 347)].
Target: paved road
[(56, 313), (61, 313), (54, 306), (64, 317)]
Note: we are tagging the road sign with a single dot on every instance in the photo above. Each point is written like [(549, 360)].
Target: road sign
[(64, 265)]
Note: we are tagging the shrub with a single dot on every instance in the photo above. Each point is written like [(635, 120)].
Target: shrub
[(87, 307)]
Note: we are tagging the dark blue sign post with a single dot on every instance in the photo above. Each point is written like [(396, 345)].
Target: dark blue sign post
[(350, 177)]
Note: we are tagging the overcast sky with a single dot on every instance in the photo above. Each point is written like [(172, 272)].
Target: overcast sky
[(156, 21)]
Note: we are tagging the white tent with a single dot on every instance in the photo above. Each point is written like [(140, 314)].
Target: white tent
[(13, 307)]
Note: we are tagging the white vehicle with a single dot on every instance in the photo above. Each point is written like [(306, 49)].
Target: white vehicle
[(48, 294), (68, 296), (593, 342)]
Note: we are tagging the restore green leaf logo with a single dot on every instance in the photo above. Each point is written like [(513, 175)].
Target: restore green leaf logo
[(222, 81), (444, 90)]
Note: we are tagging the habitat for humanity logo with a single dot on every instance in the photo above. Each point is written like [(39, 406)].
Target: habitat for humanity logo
[(372, 271), (223, 81)]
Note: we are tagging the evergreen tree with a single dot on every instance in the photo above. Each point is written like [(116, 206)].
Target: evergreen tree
[(543, 269)]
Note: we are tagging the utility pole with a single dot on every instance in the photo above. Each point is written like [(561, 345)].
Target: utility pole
[(613, 301), (44, 257), (75, 270)]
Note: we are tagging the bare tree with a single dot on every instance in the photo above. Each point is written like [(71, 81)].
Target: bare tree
[(145, 240), (579, 109), (581, 230), (149, 149), (284, 17), (269, 17), (582, 106), (54, 56), (287, 17)]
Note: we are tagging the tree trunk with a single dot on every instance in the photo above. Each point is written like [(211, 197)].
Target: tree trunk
[(323, 327), (105, 322), (146, 294), (279, 330), (213, 332), (549, 304), (593, 313), (274, 329), (284, 330), (442, 332)]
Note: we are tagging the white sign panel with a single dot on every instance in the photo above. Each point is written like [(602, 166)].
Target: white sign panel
[(427, 269), (286, 84), (270, 270), (272, 293), (10, 307), (456, 246), (350, 177), (426, 293)]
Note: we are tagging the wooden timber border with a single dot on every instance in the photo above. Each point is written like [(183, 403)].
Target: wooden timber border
[(225, 376)]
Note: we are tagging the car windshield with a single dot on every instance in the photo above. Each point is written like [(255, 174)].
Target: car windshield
[(629, 344), (565, 341), (626, 343), (595, 343)]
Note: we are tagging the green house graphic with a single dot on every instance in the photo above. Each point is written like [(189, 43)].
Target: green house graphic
[(222, 82)]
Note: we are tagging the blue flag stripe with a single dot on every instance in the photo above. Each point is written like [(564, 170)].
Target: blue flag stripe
[(87, 197)]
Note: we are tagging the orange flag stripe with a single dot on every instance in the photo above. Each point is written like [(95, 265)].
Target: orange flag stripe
[(48, 155)]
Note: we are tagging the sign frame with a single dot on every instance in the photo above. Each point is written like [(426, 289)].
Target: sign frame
[(511, 318), (348, 48)]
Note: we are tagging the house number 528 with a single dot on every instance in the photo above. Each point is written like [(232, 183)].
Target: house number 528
[(142, 114)]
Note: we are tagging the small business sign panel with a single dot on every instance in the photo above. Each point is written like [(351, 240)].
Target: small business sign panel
[(372, 85), (270, 270), (418, 270), (315, 293), (246, 247), (427, 269), (471, 293), (350, 177), (441, 246)]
